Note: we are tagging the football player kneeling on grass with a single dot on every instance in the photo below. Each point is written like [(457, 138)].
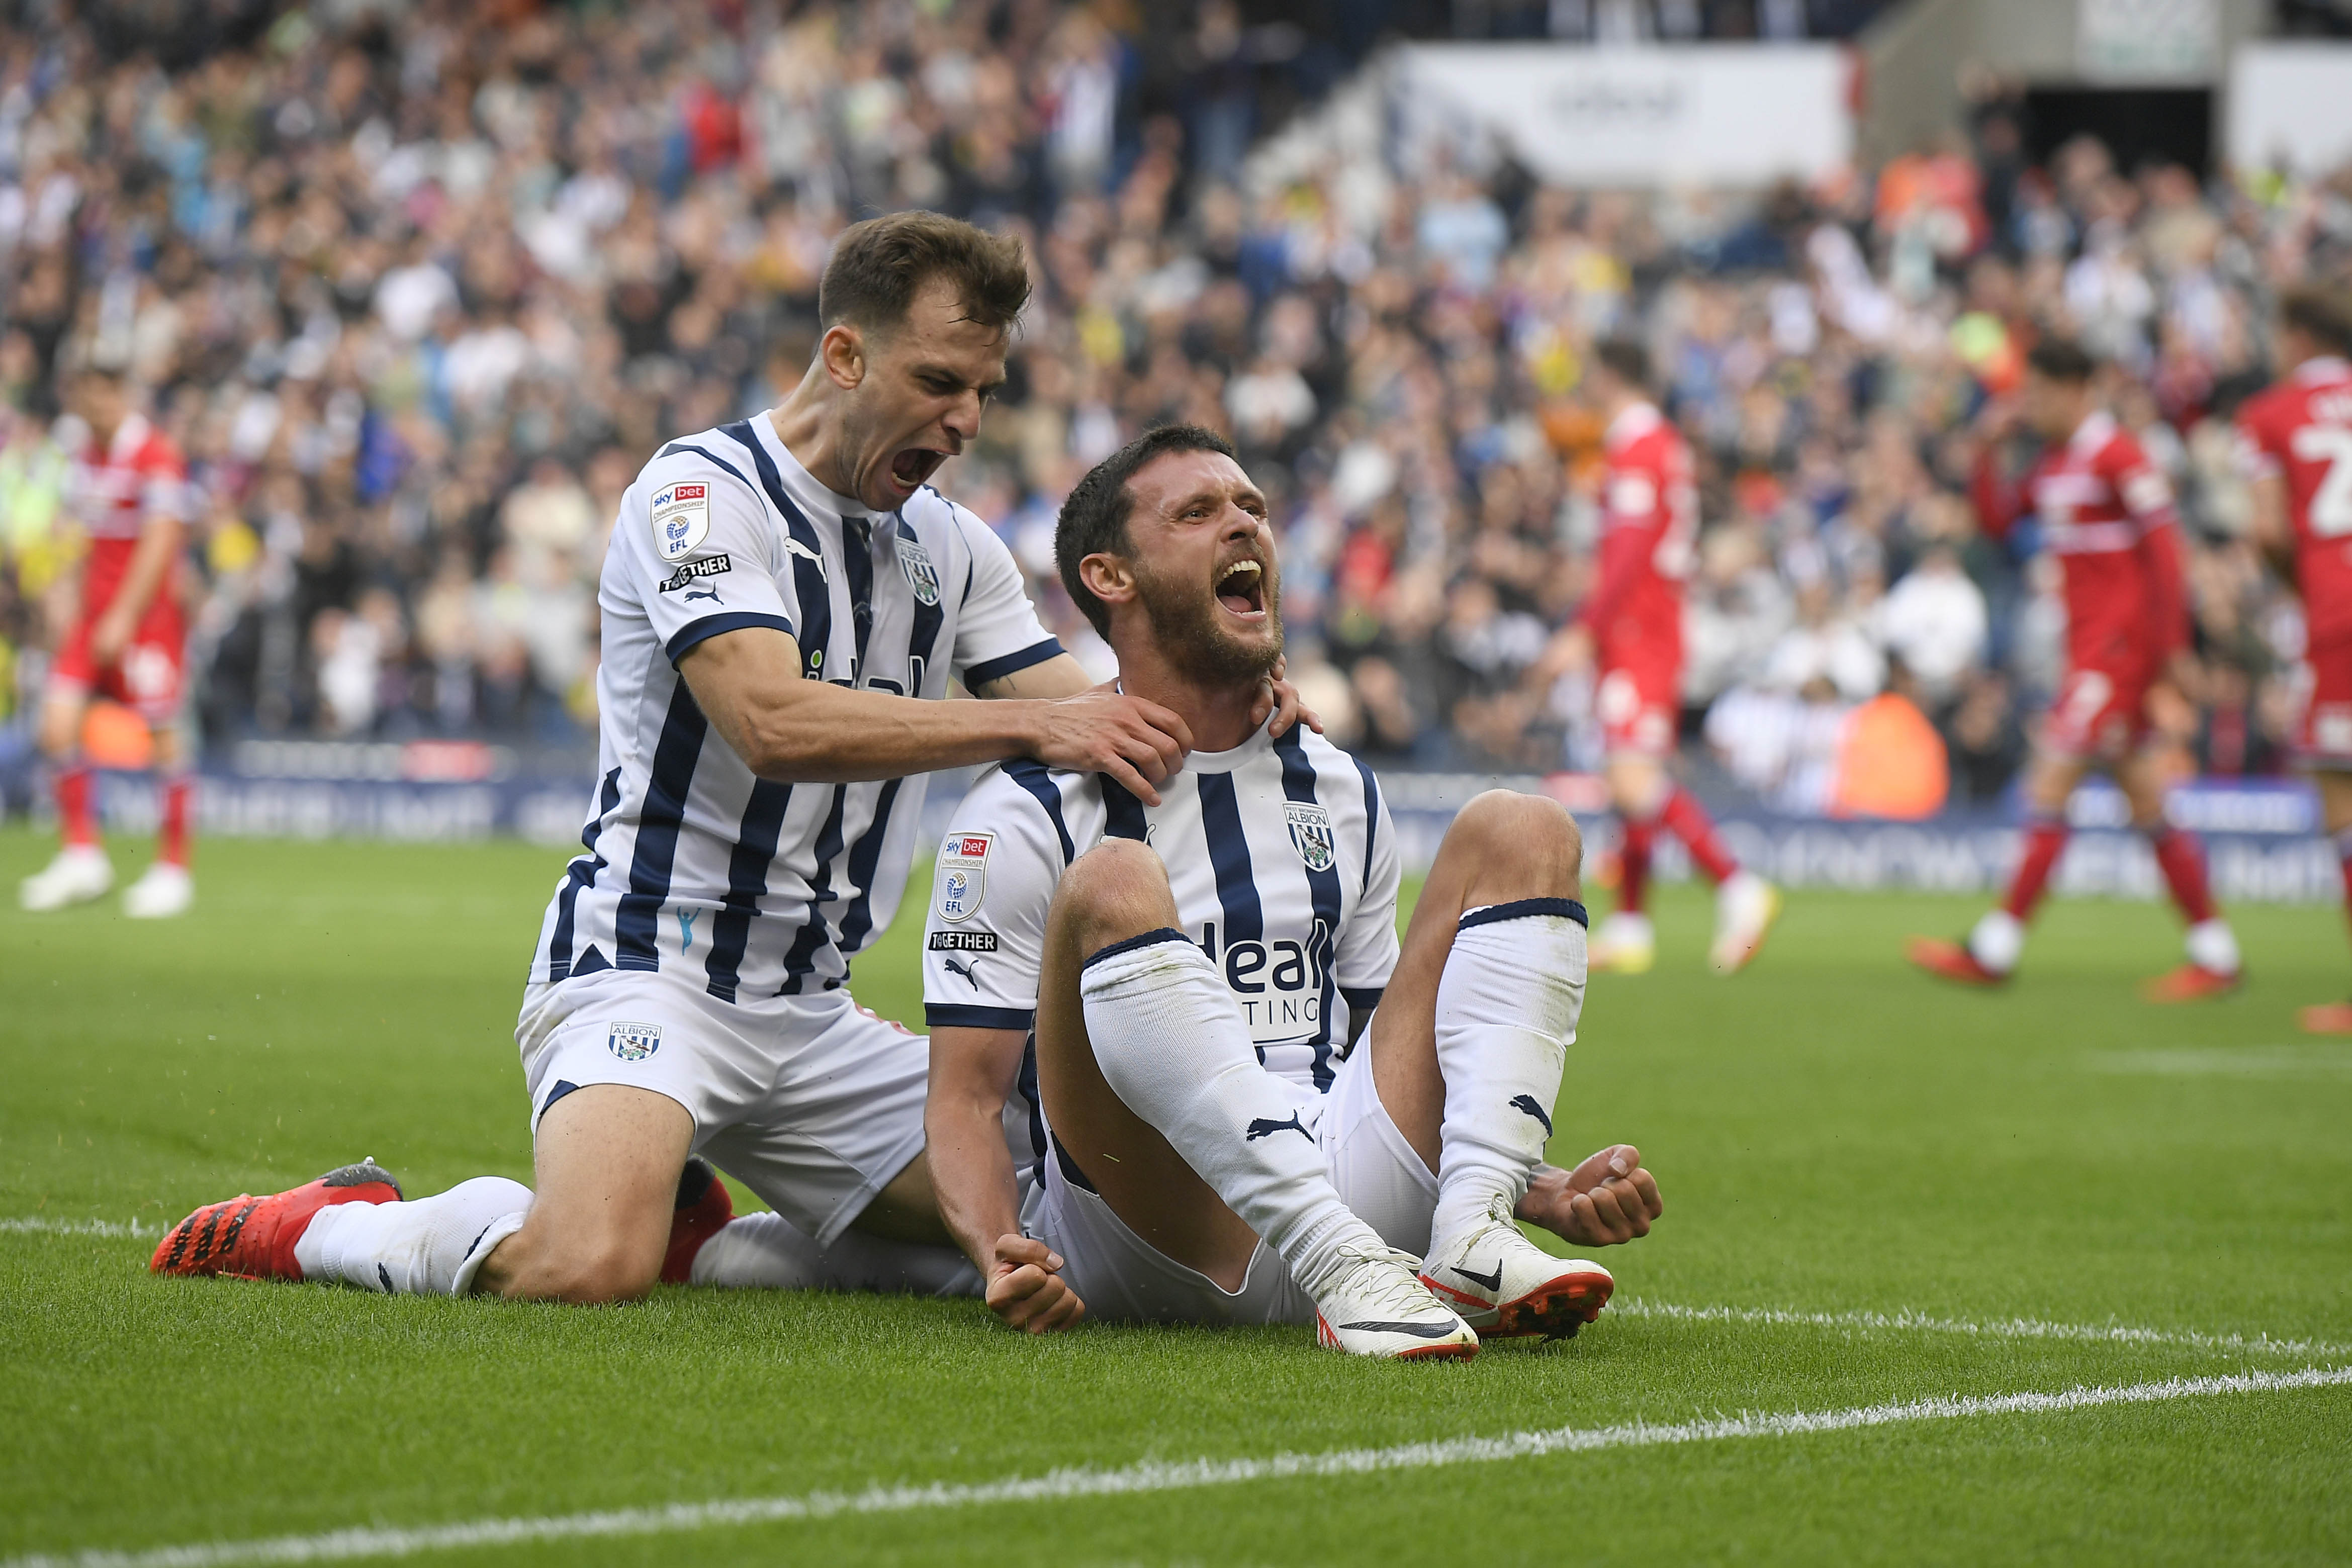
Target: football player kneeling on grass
[(784, 603), (1181, 994)]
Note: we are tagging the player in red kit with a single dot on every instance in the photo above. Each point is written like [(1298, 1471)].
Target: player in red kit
[(2297, 441), (1631, 625), (127, 640), (2106, 512)]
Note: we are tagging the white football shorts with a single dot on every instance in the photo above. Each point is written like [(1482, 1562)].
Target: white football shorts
[(811, 1102), (1122, 1277)]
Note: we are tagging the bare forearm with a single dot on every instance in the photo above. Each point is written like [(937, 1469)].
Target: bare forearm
[(809, 732), (972, 1173), (150, 560)]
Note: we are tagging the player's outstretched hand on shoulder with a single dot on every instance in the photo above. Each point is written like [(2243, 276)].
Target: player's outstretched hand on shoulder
[(1277, 697), (1607, 1200), (1026, 1287), (1132, 741)]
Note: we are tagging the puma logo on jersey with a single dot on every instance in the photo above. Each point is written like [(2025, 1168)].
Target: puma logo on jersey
[(1262, 1128), (964, 970), (709, 593), (1528, 1103)]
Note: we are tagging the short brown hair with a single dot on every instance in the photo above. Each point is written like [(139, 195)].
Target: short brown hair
[(2062, 359), (1625, 359), (2319, 314), (1094, 519), (877, 266)]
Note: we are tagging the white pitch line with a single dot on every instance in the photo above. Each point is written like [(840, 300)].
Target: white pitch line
[(2009, 1328), (1154, 1475), (42, 1225)]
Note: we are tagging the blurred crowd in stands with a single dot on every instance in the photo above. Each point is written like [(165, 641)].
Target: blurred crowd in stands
[(419, 287)]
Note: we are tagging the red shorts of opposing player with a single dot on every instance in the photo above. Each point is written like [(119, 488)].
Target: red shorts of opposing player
[(1637, 704), (147, 677), (2100, 714)]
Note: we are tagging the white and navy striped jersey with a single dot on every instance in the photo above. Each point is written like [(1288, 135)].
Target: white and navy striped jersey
[(1281, 857), (765, 888)]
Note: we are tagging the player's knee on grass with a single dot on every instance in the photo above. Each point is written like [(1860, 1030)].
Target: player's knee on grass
[(1521, 846), (607, 1163), (1117, 890), (584, 1265)]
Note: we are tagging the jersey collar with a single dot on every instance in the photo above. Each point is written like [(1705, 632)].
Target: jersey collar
[(128, 437), (1632, 421), (2098, 428), (815, 497)]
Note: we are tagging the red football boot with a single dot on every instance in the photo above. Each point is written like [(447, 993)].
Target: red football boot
[(2191, 983), (250, 1238), (1952, 961), (2327, 1018), (703, 1210)]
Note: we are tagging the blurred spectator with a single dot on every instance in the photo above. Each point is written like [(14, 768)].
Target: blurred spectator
[(1935, 622)]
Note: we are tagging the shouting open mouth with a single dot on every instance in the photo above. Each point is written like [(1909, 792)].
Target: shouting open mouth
[(1241, 589), (913, 466)]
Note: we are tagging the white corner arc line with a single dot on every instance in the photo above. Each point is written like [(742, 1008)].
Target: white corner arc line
[(1155, 1475), (1908, 1322)]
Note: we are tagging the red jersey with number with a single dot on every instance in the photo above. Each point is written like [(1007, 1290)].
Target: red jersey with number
[(1649, 521), (2301, 431), (113, 492), (2106, 512)]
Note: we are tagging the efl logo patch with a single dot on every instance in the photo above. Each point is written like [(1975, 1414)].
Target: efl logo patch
[(709, 566), (633, 1041), (1311, 835), (681, 516), (962, 879), (921, 575)]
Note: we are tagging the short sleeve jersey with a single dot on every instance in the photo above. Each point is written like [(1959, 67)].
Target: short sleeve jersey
[(1281, 856), (2097, 498), (2301, 432), (691, 862)]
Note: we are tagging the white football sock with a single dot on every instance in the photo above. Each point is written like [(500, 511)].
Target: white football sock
[(767, 1250), (1508, 1004), (431, 1247), (2212, 945), (1173, 1045), (1998, 941)]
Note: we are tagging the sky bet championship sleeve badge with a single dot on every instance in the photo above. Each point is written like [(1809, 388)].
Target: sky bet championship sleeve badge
[(963, 877), (1310, 834), (916, 562), (681, 518), (633, 1041)]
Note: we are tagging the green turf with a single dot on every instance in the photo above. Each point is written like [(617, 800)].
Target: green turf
[(1832, 1132)]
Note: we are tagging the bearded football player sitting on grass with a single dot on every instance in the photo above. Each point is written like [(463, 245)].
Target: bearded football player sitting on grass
[(1179, 998)]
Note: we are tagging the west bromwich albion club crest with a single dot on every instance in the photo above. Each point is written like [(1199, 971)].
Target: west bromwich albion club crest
[(921, 575), (1310, 834), (633, 1041), (962, 879)]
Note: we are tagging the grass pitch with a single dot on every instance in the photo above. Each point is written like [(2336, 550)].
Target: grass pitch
[(2031, 1177)]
